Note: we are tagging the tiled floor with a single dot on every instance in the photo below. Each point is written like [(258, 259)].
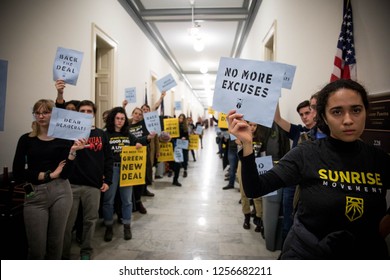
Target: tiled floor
[(196, 221)]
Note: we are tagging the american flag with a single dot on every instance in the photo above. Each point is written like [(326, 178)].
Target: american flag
[(345, 61)]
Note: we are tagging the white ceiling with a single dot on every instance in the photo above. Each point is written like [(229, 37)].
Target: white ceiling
[(224, 25)]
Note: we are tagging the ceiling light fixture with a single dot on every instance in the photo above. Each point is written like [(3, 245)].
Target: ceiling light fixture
[(194, 31)]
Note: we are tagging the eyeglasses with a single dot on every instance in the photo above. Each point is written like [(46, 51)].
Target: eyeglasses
[(44, 114)]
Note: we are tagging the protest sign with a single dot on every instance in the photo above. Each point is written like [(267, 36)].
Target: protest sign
[(194, 142), (133, 166), (166, 83), (131, 95), (222, 120), (178, 105), (288, 76), (152, 122), (211, 111), (182, 144), (166, 152), (263, 165), (68, 124), (178, 155), (171, 125), (251, 87), (199, 129), (67, 64)]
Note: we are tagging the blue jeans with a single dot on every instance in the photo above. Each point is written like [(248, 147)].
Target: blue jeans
[(126, 194), (288, 198), (90, 200), (233, 162), (45, 218)]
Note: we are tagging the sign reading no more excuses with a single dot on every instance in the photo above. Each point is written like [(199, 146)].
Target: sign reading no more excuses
[(249, 86)]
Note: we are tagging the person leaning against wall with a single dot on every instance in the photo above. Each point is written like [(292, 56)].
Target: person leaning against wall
[(117, 129), (91, 176), (343, 180), (46, 163)]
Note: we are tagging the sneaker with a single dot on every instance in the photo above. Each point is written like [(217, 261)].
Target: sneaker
[(157, 177), (85, 257), (108, 234), (176, 183), (169, 173), (185, 173), (148, 193), (228, 187)]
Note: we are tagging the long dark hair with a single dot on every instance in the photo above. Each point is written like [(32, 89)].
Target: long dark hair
[(328, 90), (110, 124)]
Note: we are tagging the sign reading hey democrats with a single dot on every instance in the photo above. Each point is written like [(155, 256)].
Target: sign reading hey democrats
[(251, 87), (71, 125), (166, 83), (152, 122), (67, 64)]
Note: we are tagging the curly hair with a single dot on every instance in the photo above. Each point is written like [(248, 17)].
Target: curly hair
[(331, 88), (110, 124)]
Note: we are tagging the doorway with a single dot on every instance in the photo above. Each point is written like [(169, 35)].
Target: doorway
[(104, 49)]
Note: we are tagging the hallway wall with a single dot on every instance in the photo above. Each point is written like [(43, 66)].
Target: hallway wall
[(30, 33), (306, 36)]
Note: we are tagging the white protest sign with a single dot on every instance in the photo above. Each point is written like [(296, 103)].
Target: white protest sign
[(182, 144), (288, 77), (178, 155), (71, 125), (251, 87), (67, 64), (177, 105), (152, 122), (263, 165), (166, 83), (199, 129), (131, 95)]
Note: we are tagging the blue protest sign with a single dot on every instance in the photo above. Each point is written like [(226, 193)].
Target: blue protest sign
[(251, 87), (67, 64), (166, 83), (182, 144), (152, 122), (71, 125), (131, 95), (263, 165)]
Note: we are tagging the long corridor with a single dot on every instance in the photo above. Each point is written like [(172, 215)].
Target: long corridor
[(196, 221)]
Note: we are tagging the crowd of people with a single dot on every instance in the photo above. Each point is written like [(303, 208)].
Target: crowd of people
[(332, 185), (74, 183)]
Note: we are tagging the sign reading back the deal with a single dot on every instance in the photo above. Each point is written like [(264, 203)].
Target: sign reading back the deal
[(166, 152), (67, 64), (166, 83), (249, 86), (133, 166), (152, 122), (68, 124), (131, 95)]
